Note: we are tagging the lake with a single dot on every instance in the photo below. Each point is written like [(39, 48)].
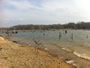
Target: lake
[(75, 41)]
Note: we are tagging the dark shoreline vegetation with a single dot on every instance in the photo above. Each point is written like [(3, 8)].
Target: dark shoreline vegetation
[(71, 25)]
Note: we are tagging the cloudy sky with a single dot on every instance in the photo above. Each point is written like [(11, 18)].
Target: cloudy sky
[(13, 12)]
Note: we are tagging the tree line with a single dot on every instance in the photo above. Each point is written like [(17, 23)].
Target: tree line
[(70, 25)]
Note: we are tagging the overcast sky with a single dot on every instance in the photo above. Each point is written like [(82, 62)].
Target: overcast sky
[(13, 12)]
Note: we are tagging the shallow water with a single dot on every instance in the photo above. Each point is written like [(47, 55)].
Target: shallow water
[(76, 41)]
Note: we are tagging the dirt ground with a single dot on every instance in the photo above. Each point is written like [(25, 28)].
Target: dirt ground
[(14, 55)]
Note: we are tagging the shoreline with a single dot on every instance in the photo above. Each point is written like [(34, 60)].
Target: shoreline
[(18, 56), (67, 55)]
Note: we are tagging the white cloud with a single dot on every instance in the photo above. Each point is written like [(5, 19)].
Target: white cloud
[(49, 12), (20, 4), (53, 5), (84, 7)]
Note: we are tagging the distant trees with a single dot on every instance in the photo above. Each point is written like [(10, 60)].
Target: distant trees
[(70, 25), (83, 25), (36, 27)]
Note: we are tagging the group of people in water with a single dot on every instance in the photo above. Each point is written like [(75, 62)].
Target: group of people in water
[(65, 33), (10, 33), (13, 32), (60, 34)]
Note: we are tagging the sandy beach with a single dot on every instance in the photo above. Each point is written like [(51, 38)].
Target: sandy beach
[(14, 55)]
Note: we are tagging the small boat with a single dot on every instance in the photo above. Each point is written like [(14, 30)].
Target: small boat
[(14, 32)]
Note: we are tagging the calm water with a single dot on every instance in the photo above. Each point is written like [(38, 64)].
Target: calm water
[(72, 36), (78, 41)]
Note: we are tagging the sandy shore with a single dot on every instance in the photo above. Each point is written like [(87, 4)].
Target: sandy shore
[(14, 55)]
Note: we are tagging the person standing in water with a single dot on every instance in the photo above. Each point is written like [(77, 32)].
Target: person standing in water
[(59, 35), (65, 31), (72, 36)]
